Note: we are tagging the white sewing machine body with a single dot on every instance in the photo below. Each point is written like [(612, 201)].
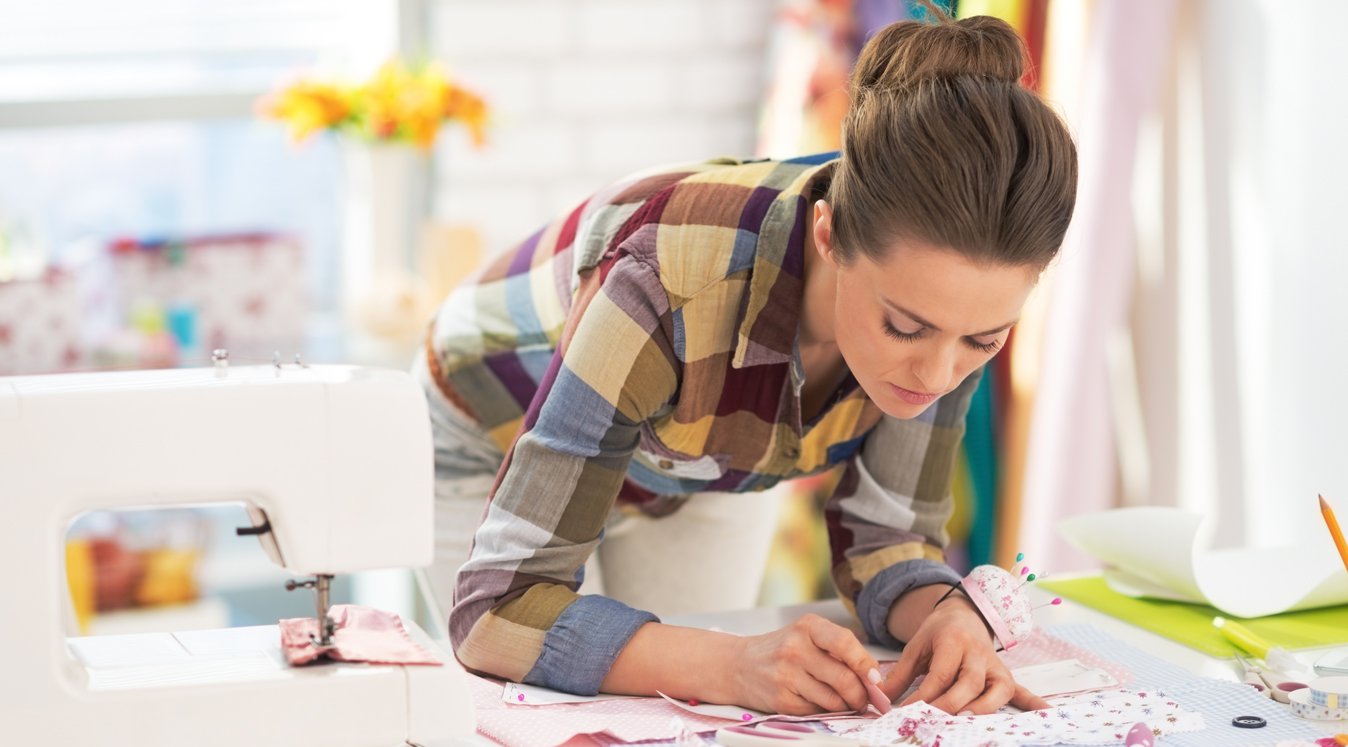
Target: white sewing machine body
[(337, 460)]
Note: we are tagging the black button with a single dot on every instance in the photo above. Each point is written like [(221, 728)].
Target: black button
[(1248, 722)]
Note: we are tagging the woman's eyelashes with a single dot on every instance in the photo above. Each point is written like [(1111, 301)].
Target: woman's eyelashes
[(894, 332), (983, 347)]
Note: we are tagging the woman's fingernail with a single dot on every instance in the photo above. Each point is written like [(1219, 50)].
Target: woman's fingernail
[(874, 676), (965, 713)]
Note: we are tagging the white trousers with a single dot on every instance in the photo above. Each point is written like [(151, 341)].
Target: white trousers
[(708, 556)]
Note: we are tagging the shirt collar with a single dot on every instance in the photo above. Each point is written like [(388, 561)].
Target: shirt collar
[(770, 311)]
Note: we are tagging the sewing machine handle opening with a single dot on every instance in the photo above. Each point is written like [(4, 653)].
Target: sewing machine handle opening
[(262, 528)]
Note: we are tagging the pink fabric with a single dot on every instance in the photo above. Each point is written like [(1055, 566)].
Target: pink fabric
[(599, 722), (362, 634), (1042, 648)]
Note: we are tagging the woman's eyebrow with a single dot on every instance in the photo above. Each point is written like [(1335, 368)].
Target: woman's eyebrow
[(935, 328)]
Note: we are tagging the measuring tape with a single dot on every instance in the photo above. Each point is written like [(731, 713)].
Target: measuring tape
[(1330, 692), (1325, 699)]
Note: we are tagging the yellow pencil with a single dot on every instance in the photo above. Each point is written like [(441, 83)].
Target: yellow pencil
[(1334, 530)]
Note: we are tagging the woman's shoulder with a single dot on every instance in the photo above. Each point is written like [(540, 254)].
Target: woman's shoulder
[(703, 186), (697, 223)]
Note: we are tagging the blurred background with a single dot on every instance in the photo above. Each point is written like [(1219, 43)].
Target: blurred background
[(283, 177)]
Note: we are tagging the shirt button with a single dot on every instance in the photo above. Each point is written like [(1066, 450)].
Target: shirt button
[(666, 464), (791, 452)]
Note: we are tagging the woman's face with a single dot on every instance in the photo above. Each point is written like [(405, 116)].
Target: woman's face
[(912, 327)]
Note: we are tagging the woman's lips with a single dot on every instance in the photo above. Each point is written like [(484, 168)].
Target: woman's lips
[(912, 397)]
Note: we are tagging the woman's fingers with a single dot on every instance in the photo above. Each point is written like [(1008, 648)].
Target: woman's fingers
[(970, 683), (1026, 700), (821, 696), (945, 664), (1000, 689), (815, 672), (910, 664), (855, 666), (808, 662), (839, 680), (841, 644), (792, 703)]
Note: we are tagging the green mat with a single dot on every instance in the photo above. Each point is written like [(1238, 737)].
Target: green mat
[(1191, 624)]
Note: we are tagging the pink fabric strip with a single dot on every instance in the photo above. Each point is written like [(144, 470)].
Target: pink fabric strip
[(362, 634)]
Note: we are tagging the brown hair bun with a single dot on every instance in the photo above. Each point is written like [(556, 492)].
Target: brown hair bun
[(903, 54)]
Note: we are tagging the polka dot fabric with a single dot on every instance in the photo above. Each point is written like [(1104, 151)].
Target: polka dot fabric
[(1042, 648)]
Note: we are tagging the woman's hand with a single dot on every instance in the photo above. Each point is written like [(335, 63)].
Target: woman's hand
[(964, 674), (810, 666)]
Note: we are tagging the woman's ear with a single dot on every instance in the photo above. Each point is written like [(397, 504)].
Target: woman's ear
[(823, 231)]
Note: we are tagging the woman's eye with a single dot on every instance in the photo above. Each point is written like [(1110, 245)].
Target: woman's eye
[(990, 346), (894, 332)]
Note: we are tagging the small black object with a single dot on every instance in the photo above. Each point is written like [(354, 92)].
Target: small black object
[(1248, 722), (263, 528)]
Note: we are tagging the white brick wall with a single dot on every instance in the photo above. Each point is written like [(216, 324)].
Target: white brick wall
[(643, 26), (584, 91)]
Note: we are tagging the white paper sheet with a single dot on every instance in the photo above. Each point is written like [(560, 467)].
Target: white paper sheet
[(518, 693), (1062, 678), (1155, 552)]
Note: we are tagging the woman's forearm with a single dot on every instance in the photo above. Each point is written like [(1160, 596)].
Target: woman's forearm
[(679, 662)]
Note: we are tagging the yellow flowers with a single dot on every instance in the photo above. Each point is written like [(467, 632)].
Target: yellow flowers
[(396, 104), (308, 107)]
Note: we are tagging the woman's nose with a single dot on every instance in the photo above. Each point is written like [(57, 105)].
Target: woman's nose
[(934, 370)]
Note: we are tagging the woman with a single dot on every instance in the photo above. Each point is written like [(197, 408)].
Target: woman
[(692, 336)]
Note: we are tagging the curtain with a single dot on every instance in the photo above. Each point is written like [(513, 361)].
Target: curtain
[(1070, 461), (1189, 349)]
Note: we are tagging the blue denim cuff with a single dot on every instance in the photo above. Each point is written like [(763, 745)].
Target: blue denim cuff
[(879, 594), (580, 647)]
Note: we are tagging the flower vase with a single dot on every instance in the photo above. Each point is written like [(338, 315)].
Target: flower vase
[(384, 303)]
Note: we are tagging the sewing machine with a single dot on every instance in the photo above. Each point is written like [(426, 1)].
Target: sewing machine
[(334, 465)]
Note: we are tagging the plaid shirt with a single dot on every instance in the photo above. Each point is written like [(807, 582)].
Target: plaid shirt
[(642, 348)]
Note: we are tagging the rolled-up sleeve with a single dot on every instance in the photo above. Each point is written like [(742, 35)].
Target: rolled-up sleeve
[(887, 517), (516, 613)]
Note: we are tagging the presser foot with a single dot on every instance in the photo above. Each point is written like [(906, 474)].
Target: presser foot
[(322, 586)]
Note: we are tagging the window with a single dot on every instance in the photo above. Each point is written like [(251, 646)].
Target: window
[(135, 119)]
